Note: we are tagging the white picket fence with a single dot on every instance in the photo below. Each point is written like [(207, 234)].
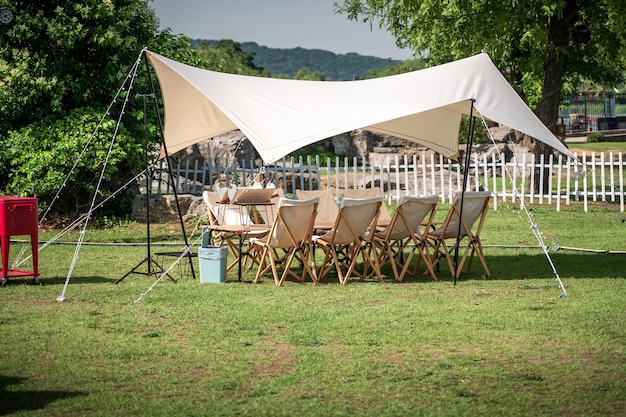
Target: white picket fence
[(596, 177)]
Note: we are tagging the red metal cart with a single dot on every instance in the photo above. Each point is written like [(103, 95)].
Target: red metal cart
[(18, 216)]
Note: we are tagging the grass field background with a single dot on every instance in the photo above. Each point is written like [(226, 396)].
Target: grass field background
[(504, 345)]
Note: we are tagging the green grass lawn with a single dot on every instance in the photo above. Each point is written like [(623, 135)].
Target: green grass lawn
[(506, 345), (598, 147)]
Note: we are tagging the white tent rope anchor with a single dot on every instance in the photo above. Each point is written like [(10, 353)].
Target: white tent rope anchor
[(74, 224), (100, 179), (533, 226), (18, 259)]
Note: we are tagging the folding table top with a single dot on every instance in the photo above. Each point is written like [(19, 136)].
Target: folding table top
[(253, 196)]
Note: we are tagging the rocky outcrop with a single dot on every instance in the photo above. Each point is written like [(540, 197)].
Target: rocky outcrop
[(360, 144), (163, 208), (233, 147)]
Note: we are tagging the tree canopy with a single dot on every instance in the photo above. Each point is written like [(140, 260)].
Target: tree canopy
[(540, 45), (61, 64), (227, 56), (63, 55)]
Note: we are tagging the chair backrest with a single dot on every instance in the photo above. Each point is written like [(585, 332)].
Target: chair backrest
[(475, 204), (293, 223), (268, 213), (355, 216), (224, 214), (409, 216), (384, 218), (327, 209), (211, 200), (226, 193)]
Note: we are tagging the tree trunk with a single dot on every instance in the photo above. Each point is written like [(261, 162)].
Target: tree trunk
[(559, 29), (548, 111)]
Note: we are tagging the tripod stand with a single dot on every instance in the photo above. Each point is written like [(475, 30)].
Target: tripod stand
[(153, 267)]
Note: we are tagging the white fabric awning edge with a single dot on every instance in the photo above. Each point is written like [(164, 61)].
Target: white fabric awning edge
[(280, 116)]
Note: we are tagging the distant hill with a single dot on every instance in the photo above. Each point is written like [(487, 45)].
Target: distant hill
[(341, 67)]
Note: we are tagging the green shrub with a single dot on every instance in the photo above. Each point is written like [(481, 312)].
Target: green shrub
[(596, 137), (37, 159)]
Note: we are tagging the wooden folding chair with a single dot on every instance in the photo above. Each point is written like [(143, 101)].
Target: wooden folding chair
[(267, 213), (406, 230), (233, 215), (289, 240), (384, 218), (467, 209), (348, 239), (327, 209)]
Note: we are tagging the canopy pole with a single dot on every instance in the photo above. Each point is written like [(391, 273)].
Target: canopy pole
[(468, 152), (169, 167)]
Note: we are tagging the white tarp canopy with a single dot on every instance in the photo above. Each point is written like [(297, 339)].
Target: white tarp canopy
[(279, 116)]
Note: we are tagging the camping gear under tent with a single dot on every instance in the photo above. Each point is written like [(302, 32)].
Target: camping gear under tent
[(279, 116)]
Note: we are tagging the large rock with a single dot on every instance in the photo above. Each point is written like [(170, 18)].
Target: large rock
[(232, 146), (163, 207)]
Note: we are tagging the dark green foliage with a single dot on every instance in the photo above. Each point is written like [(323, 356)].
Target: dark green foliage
[(228, 56), (64, 55), (519, 37), (404, 66), (61, 64), (39, 157), (288, 62), (318, 149)]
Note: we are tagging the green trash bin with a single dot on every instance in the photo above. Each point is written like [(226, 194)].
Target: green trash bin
[(213, 263)]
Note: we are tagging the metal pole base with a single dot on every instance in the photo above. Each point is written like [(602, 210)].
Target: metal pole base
[(153, 269)]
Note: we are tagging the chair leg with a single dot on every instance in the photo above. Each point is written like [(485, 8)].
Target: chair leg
[(308, 258), (372, 259), (324, 267), (477, 249), (481, 256), (441, 250), (429, 266), (263, 267), (473, 248), (407, 263), (338, 263), (392, 260)]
